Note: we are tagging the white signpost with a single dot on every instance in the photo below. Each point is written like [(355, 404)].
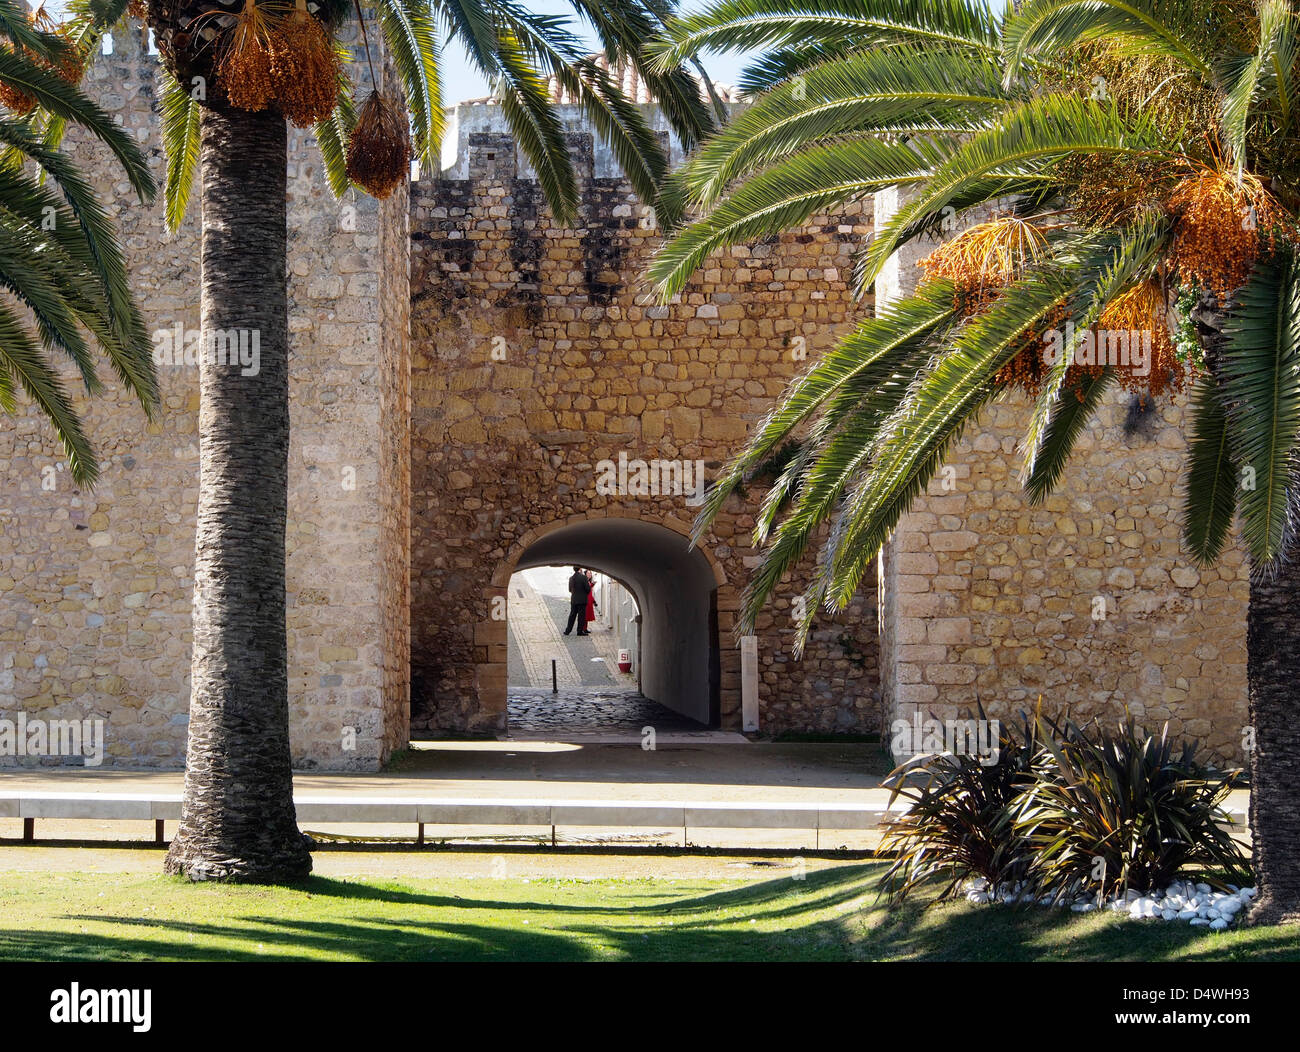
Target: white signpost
[(749, 683)]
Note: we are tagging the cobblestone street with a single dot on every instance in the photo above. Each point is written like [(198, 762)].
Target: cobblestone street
[(535, 710)]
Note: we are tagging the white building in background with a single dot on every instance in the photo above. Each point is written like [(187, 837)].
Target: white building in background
[(616, 611)]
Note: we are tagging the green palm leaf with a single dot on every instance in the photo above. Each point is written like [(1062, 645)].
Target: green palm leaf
[(1210, 490), (410, 32), (1266, 76), (1260, 371), (180, 136), (913, 443), (1137, 27), (1108, 265), (1022, 144), (787, 194), (21, 356), (889, 93), (747, 25)]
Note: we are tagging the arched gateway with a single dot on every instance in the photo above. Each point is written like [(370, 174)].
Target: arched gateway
[(559, 415), (677, 590)]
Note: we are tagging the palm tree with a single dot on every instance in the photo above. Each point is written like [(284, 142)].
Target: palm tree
[(59, 258), (233, 73), (1138, 159)]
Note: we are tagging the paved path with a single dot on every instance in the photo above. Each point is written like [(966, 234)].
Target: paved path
[(594, 700), (705, 771), (539, 610), (758, 772), (535, 639)]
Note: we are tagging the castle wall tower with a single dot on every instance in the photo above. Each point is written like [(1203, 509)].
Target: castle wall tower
[(95, 587)]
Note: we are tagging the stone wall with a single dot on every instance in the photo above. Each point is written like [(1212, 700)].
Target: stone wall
[(1088, 601), (538, 353), (423, 472), (95, 587)]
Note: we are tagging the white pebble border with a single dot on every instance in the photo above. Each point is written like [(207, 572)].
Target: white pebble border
[(1198, 904)]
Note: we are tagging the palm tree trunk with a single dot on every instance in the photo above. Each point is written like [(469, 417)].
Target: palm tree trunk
[(238, 820), (1272, 681), (1273, 675)]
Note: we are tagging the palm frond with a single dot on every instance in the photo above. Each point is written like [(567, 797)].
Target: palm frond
[(864, 359), (180, 135), (410, 32), (752, 25), (1266, 76), (624, 27), (1259, 376), (890, 92), (1210, 489), (1108, 266), (1138, 27), (913, 443), (1021, 144), (815, 180), (56, 96), (21, 356), (333, 132)]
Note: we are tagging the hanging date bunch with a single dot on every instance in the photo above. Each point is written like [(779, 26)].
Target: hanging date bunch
[(304, 68), (284, 60), (1133, 337), (1030, 366), (981, 263), (985, 259), (379, 149), (69, 66), (1224, 224), (244, 66)]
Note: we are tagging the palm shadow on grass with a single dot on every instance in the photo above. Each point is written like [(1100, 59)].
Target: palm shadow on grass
[(831, 914), (433, 926), (835, 886)]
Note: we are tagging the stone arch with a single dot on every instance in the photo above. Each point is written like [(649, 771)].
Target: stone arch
[(506, 567), (686, 601)]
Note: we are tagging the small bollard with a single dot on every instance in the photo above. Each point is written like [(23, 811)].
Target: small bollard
[(555, 678)]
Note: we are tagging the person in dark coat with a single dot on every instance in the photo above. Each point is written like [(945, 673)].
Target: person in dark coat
[(579, 590)]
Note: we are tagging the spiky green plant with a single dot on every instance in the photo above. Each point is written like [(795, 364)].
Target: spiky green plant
[(959, 824), (60, 261), (1118, 808), (1121, 127)]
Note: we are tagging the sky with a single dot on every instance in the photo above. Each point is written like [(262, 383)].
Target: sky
[(461, 81)]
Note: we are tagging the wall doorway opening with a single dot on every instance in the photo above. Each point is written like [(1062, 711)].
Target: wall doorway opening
[(655, 608)]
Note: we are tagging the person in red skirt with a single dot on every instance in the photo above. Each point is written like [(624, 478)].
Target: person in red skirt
[(591, 603)]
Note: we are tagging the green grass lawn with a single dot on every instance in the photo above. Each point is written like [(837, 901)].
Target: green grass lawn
[(830, 915)]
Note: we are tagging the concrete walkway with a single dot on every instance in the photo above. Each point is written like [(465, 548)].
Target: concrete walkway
[(706, 773), (747, 774)]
